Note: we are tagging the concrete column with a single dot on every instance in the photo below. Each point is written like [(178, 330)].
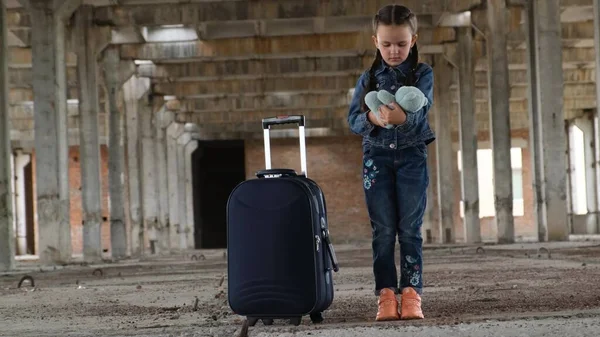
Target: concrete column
[(190, 147), (50, 119), (552, 128), (597, 164), (89, 148), (118, 231), (149, 172), (468, 135), (539, 207), (430, 220), (443, 73), (182, 190), (135, 92), (164, 119), (499, 94), (7, 248), (174, 131)]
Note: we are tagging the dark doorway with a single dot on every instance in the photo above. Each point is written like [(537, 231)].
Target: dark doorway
[(29, 221), (217, 167)]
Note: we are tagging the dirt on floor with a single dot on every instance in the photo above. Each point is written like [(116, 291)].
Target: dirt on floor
[(186, 295)]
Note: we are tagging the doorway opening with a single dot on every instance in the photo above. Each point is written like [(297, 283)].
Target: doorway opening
[(217, 168)]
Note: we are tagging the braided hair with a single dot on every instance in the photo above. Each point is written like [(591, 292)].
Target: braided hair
[(392, 15)]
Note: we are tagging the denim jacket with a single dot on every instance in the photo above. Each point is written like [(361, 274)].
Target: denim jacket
[(415, 130)]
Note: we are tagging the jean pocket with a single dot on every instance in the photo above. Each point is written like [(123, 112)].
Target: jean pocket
[(421, 150)]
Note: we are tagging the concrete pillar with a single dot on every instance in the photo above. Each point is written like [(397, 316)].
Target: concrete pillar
[(149, 171), (443, 73), (190, 147), (539, 207), (596, 124), (182, 192), (499, 94), (468, 135), (135, 92), (163, 120), (118, 231), (552, 128), (174, 131), (431, 231), (7, 248), (89, 147), (50, 119)]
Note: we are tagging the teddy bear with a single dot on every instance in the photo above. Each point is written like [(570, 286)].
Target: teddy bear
[(410, 99)]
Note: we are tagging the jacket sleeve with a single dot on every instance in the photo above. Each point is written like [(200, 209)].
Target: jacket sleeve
[(357, 119), (425, 84)]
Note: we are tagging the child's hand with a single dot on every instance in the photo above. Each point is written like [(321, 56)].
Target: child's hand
[(372, 117), (392, 114)]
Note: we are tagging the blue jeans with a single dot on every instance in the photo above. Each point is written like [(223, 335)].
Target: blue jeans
[(395, 182)]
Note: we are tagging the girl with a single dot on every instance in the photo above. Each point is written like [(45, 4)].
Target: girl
[(395, 176)]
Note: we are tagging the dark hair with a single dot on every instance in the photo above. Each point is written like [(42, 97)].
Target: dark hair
[(392, 15)]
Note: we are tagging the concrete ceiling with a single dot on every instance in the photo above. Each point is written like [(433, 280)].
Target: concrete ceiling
[(225, 64)]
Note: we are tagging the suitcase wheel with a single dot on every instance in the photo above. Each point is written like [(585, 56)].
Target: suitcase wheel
[(316, 317), (267, 321), (252, 321), (296, 320)]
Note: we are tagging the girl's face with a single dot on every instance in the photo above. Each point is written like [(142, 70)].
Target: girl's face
[(394, 42)]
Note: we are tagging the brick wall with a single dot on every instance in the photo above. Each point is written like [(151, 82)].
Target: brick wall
[(75, 196)]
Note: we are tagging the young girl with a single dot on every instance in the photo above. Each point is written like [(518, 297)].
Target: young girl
[(395, 176)]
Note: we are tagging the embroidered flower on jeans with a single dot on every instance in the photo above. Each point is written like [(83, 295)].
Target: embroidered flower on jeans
[(414, 280), (410, 259)]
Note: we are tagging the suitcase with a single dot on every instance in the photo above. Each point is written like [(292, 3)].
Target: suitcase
[(280, 258)]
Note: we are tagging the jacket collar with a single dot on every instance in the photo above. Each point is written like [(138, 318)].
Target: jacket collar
[(403, 68)]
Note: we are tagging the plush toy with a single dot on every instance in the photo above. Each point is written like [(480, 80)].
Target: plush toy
[(410, 99)]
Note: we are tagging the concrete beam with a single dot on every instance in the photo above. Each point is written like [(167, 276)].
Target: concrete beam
[(253, 46), (193, 13), (7, 237), (247, 120)]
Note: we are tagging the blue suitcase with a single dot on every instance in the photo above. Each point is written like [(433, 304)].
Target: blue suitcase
[(280, 257)]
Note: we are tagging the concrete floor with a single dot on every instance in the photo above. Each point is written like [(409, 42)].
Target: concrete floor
[(514, 290)]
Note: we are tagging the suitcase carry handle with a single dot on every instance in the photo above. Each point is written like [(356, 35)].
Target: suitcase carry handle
[(276, 172), (279, 120)]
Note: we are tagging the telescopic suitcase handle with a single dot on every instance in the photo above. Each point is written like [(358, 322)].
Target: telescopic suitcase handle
[(279, 120)]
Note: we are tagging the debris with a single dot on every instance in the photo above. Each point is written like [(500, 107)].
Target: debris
[(196, 303), (544, 250), (26, 278), (221, 281), (244, 330), (480, 250), (98, 272), (138, 287)]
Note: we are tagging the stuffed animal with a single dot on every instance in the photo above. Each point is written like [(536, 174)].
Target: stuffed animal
[(410, 99)]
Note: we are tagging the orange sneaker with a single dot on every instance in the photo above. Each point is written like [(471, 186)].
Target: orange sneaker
[(387, 306), (411, 305)]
